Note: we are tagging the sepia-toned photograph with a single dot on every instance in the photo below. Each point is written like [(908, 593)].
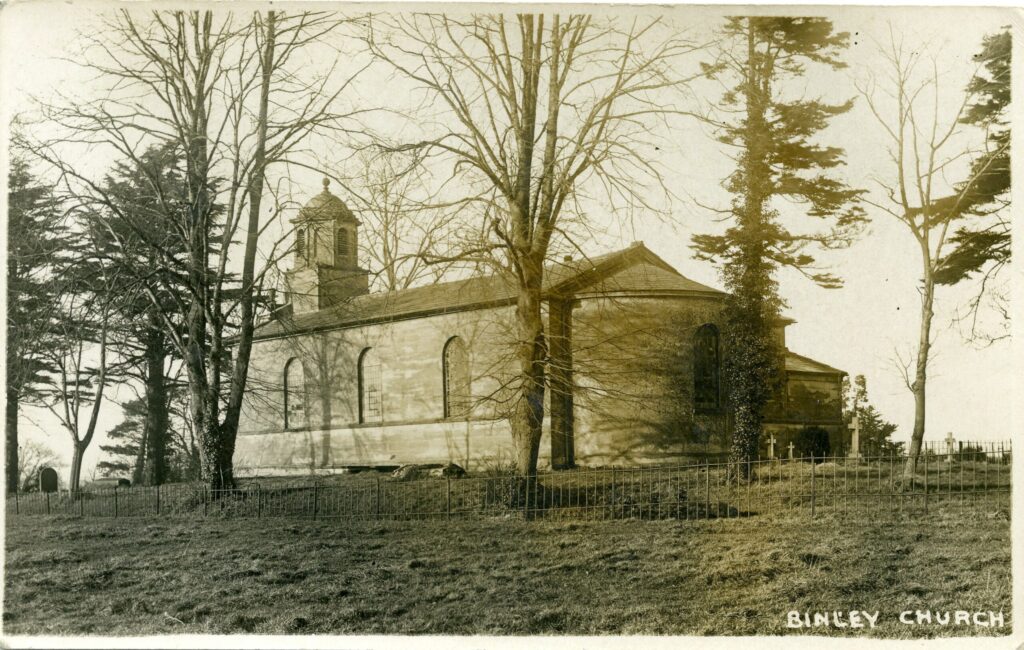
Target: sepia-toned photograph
[(358, 324)]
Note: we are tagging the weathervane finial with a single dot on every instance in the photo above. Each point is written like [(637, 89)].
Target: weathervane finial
[(327, 182)]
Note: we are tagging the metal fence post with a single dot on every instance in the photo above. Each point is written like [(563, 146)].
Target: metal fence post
[(526, 498), (259, 501), (81, 503), (206, 502), (448, 496), (611, 502), (707, 489), (926, 483), (813, 495), (47, 503), (115, 502), (316, 498), (158, 499), (376, 501), (17, 507)]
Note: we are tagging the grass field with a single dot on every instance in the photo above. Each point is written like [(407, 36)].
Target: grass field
[(161, 576)]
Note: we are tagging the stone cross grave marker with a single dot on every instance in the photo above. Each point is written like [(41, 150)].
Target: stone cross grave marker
[(47, 479), (855, 437), (791, 451), (771, 446), (949, 447)]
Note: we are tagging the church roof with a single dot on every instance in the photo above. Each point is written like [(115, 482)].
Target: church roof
[(799, 363), (631, 270)]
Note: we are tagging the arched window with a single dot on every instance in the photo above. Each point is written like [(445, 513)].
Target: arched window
[(706, 368), (294, 395), (341, 247), (455, 376), (300, 243), (370, 404)]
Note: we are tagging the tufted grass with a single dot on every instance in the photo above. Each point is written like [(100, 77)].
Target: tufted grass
[(278, 576)]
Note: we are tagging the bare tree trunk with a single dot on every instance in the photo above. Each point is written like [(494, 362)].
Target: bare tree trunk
[(528, 412), (918, 387), (11, 467), (227, 431), (77, 454)]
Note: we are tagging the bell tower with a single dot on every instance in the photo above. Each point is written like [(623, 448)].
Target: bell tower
[(325, 257)]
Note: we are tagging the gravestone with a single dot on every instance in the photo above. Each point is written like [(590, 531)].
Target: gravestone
[(855, 437), (771, 446), (47, 479), (949, 447)]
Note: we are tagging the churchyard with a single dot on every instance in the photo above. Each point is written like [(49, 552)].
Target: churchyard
[(683, 550), (974, 478), (68, 575)]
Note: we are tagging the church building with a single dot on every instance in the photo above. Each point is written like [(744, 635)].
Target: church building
[(343, 378)]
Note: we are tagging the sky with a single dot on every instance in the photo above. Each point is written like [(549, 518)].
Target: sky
[(859, 328)]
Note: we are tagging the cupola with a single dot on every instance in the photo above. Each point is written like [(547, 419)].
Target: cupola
[(325, 257)]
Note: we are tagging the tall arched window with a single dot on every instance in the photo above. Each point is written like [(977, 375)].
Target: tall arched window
[(294, 395), (341, 247), (371, 408), (707, 392), (300, 243), (455, 376)]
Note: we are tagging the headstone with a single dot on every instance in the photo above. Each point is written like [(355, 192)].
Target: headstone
[(949, 447), (791, 451), (771, 446), (48, 480)]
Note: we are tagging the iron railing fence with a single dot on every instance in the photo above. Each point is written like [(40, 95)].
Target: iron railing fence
[(863, 487)]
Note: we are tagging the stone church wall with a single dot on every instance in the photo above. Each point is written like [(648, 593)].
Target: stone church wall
[(633, 368), (412, 429)]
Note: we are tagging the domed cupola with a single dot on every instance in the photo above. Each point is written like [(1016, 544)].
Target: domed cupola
[(325, 257), (326, 207)]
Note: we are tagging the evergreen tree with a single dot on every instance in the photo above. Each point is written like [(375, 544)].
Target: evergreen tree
[(145, 200), (126, 441), (125, 453), (34, 237), (983, 246), (875, 431), (777, 158)]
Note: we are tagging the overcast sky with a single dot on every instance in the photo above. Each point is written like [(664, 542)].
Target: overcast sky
[(857, 328)]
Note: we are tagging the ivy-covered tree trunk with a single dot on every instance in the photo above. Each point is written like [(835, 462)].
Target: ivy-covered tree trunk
[(154, 439), (777, 158), (752, 308), (11, 440)]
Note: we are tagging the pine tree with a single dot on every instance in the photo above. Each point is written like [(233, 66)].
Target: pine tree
[(34, 237), (875, 431), (984, 245), (126, 441), (777, 158), (145, 200)]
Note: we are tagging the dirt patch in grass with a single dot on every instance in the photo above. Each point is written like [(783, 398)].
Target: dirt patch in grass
[(93, 576)]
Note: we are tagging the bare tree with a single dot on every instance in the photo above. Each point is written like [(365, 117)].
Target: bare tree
[(535, 111), (926, 146), (236, 99), (402, 224)]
